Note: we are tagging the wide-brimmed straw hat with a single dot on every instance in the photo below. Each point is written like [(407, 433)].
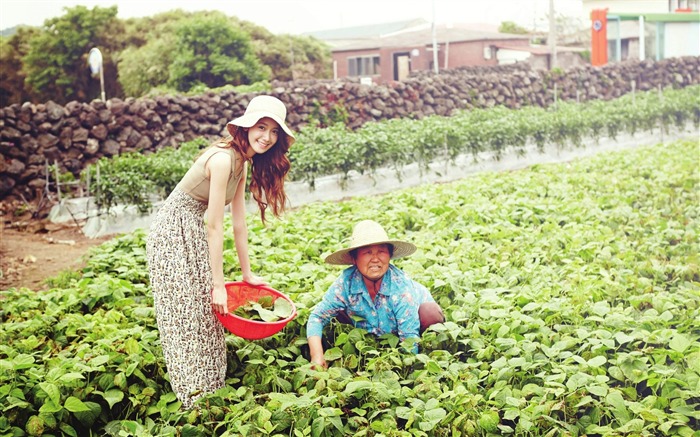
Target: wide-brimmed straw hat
[(366, 233), (260, 107)]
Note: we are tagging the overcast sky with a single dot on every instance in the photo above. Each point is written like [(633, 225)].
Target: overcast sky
[(298, 16)]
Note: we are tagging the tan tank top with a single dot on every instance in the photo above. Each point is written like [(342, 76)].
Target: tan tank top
[(196, 183)]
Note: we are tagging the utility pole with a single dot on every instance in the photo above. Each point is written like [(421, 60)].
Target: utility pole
[(552, 38), (435, 48), (291, 55)]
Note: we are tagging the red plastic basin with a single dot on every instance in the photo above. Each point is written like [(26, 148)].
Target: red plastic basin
[(240, 293)]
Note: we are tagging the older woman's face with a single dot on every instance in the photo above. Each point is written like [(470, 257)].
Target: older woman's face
[(373, 261)]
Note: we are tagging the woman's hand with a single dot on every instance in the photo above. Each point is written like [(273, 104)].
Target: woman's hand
[(319, 363), (254, 280), (219, 300)]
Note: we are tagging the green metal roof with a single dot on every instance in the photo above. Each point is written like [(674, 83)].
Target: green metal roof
[(678, 17)]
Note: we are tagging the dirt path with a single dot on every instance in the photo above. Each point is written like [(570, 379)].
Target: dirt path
[(33, 252)]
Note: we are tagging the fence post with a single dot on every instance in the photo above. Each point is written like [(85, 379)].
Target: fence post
[(97, 180), (87, 181), (47, 189), (661, 119), (58, 183)]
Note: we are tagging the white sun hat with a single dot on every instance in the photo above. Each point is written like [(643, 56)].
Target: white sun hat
[(260, 107), (367, 233)]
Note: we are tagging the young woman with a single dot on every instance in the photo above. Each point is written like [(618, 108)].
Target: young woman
[(185, 251)]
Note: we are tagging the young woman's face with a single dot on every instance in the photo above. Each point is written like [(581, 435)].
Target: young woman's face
[(263, 135), (373, 261)]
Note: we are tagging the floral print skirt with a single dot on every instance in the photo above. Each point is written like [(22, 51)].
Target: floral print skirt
[(180, 272)]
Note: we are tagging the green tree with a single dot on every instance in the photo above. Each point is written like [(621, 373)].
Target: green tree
[(511, 27), (294, 57), (312, 58), (56, 63), (12, 50), (172, 51), (212, 52), (150, 43), (144, 68)]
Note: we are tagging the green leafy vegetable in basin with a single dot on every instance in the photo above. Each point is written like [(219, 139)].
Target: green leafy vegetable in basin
[(266, 309)]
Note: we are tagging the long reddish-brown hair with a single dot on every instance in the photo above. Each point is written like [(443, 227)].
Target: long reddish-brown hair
[(267, 171)]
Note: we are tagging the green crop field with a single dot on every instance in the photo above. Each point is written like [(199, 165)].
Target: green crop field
[(572, 296)]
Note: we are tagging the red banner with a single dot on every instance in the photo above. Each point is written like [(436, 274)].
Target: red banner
[(599, 37)]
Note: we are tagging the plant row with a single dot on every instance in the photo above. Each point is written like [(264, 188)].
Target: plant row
[(133, 179), (571, 294)]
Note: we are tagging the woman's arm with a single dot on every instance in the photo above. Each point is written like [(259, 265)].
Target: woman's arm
[(240, 232), (218, 169), (407, 319), (331, 305), (316, 351)]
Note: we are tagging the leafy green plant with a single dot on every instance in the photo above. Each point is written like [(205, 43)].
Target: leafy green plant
[(136, 179), (571, 296), (63, 177), (265, 309), (328, 114)]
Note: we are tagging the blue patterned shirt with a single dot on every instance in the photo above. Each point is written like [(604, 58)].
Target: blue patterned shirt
[(394, 309)]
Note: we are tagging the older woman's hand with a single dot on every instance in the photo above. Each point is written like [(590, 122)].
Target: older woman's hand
[(319, 363)]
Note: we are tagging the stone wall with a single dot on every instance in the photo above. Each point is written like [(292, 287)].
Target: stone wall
[(80, 133)]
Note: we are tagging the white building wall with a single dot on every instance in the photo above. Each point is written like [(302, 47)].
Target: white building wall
[(624, 6), (506, 56), (682, 39)]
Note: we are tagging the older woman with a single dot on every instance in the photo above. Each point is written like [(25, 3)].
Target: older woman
[(373, 294)]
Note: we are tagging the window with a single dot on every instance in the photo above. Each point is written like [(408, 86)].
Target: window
[(683, 5), (363, 66)]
